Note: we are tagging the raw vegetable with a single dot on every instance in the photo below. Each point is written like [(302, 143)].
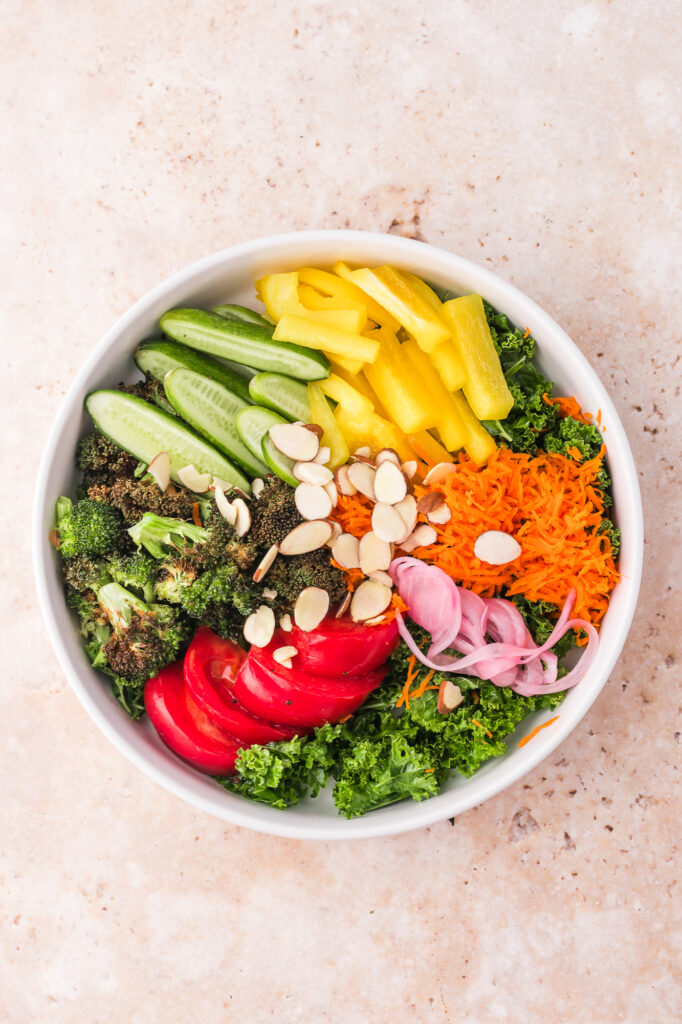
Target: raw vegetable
[(339, 647), (479, 444), (285, 395), (233, 311), (280, 296), (159, 357), (277, 462), (485, 387), (449, 421), (404, 395), (332, 436), (392, 291), (332, 284), (252, 426), (241, 342), (331, 339)]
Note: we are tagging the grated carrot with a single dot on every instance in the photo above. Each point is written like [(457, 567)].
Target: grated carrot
[(575, 453), (487, 731), (196, 518), (526, 333), (568, 407), (536, 730)]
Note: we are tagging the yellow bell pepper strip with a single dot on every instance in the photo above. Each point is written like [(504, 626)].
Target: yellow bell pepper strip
[(401, 390), (450, 426), (326, 337), (346, 396), (375, 431), (279, 293), (346, 291), (447, 361), (479, 444), (324, 417), (352, 366), (360, 383), (313, 300), (428, 448), (485, 387), (392, 291), (423, 290)]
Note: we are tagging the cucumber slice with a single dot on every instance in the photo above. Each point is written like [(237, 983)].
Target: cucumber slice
[(252, 425), (283, 394), (243, 343), (248, 316), (280, 464), (211, 409), (143, 430), (159, 357)]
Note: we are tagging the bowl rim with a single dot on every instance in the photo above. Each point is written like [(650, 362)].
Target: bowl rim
[(415, 815)]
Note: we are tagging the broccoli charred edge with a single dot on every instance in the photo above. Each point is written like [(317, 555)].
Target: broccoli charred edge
[(151, 390), (144, 637), (134, 497), (97, 456), (89, 528)]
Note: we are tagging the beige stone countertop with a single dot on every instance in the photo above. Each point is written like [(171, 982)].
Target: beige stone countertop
[(538, 139)]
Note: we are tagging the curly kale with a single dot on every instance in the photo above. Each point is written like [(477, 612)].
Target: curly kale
[(88, 528)]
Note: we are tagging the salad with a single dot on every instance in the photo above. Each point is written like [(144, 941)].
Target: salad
[(351, 538)]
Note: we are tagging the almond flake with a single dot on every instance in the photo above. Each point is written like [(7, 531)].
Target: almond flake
[(265, 563), (382, 577), (160, 469), (409, 468), (332, 491), (387, 455), (369, 600), (343, 607), (496, 547), (308, 536), (243, 524), (257, 487), (343, 484), (390, 485), (323, 456), (226, 486), (336, 532), (312, 604), (283, 655), (362, 477), (315, 429), (449, 697), (430, 502), (312, 473), (312, 501), (346, 551), (376, 621), (440, 515), (387, 523), (269, 594), (260, 627), (419, 538), (440, 472), (298, 443), (364, 452), (193, 480), (408, 513), (227, 511), (285, 623), (375, 553)]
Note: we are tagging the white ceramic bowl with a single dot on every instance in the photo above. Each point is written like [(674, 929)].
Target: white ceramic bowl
[(229, 276)]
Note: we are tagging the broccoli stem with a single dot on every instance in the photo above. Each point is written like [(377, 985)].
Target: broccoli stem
[(160, 535), (120, 605)]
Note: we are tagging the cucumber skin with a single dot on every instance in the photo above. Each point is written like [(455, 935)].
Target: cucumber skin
[(244, 457), (279, 463), (251, 412), (233, 311), (298, 410), (235, 377), (227, 471), (242, 342)]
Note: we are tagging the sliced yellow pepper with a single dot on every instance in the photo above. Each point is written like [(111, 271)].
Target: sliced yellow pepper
[(313, 300), (452, 370), (373, 430), (279, 293), (485, 387), (393, 292), (324, 417), (326, 337), (346, 396), (352, 366), (450, 426), (346, 291), (479, 444), (401, 391), (360, 383), (428, 448)]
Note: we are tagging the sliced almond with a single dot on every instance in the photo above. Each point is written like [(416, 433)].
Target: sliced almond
[(362, 477), (283, 655), (343, 607), (260, 626), (226, 485), (336, 532), (370, 599), (440, 515), (346, 551), (332, 491), (257, 487), (364, 452), (193, 480), (226, 510), (312, 473), (496, 547), (382, 577), (408, 513), (449, 697), (387, 455), (243, 523), (160, 469), (312, 501), (343, 483), (390, 485), (309, 536), (265, 563), (419, 538), (367, 459), (315, 429), (387, 523), (409, 468), (430, 502), (376, 621), (323, 456), (439, 472), (269, 594), (312, 604), (298, 443), (375, 553), (285, 623)]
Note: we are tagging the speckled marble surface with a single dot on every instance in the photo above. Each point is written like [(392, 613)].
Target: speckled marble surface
[(537, 139)]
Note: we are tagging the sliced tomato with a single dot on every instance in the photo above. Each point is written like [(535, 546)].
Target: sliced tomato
[(210, 668), (184, 727), (339, 647)]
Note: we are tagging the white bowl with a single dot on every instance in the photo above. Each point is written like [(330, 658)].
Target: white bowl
[(229, 276)]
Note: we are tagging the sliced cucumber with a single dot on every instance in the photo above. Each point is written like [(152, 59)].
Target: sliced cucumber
[(248, 316), (243, 343), (159, 357), (280, 464), (252, 425), (283, 394), (211, 409), (143, 430)]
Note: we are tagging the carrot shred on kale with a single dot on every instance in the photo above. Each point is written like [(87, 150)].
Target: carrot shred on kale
[(568, 407), (487, 731), (536, 730), (526, 333), (196, 518)]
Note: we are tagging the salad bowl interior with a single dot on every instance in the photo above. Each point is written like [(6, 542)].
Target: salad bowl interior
[(228, 276)]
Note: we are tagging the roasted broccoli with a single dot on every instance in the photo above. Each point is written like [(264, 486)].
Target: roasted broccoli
[(162, 536), (82, 573), (144, 637), (97, 456), (290, 575), (174, 576), (273, 514), (88, 528), (138, 572), (133, 497), (221, 598), (151, 390)]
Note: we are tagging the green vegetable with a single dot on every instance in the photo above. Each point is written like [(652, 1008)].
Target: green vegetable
[(161, 356), (283, 394), (97, 456), (161, 536), (242, 342), (221, 598), (279, 463), (232, 311), (253, 424), (88, 528), (137, 572)]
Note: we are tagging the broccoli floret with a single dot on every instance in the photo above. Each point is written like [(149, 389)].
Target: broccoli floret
[(290, 575), (221, 598), (96, 455), (151, 390), (273, 514), (137, 572), (174, 576), (82, 573), (87, 528), (133, 497), (162, 536), (144, 637)]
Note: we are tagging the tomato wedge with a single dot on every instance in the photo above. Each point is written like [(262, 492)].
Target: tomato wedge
[(210, 668), (184, 727), (340, 647)]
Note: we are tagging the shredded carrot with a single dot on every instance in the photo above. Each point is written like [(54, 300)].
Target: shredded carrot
[(428, 771), (487, 731), (196, 518), (345, 718), (575, 453), (423, 686), (536, 730), (54, 539), (476, 697), (526, 333), (568, 407)]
